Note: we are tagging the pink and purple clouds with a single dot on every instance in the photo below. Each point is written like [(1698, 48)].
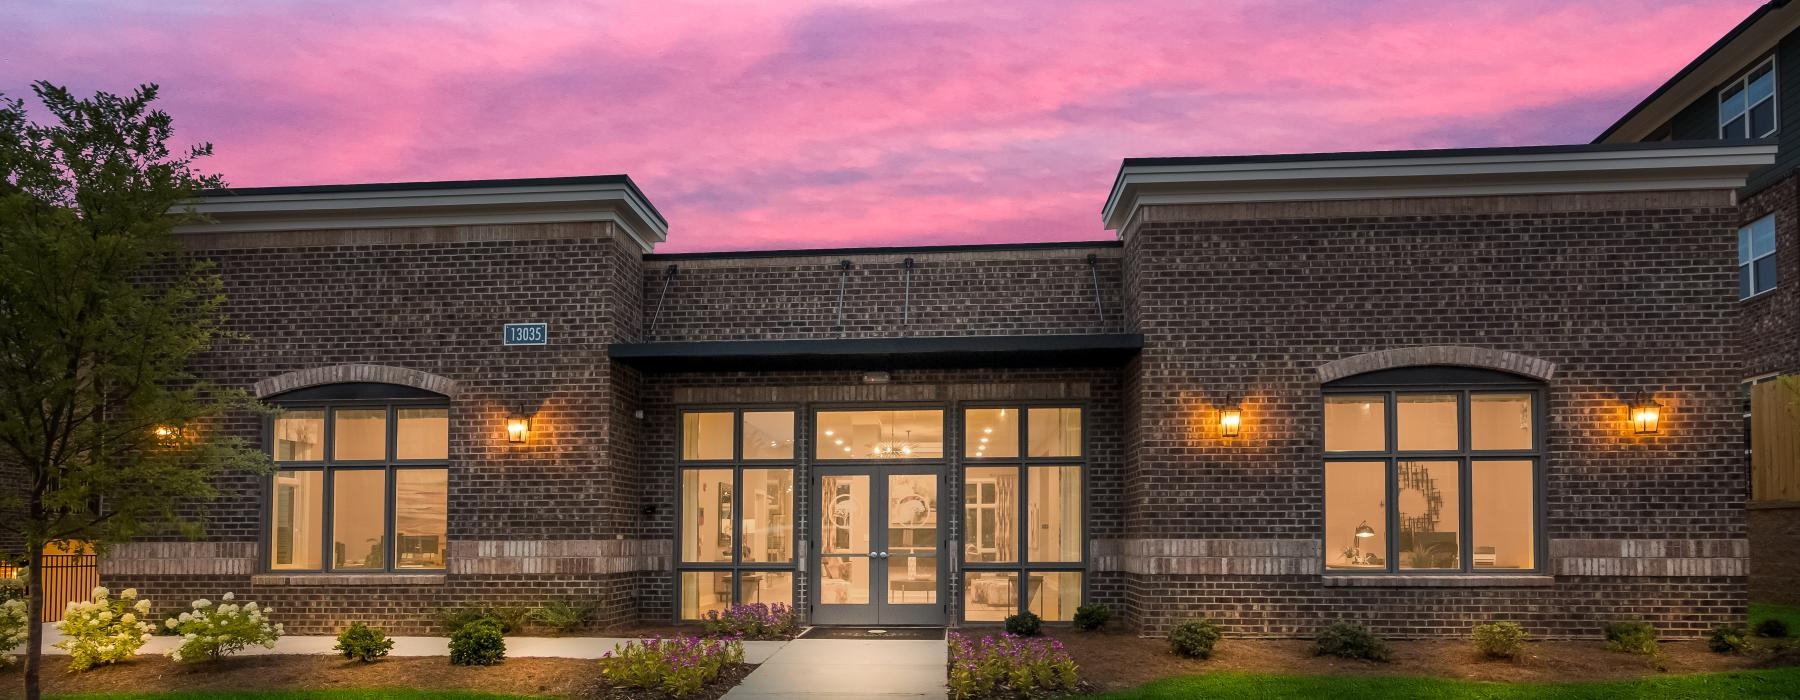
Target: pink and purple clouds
[(798, 125)]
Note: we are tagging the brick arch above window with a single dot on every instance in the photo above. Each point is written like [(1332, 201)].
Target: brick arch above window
[(1452, 355), (355, 373)]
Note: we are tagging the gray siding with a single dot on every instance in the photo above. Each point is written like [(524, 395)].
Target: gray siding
[(1700, 121)]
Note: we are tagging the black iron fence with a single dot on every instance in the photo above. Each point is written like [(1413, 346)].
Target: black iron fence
[(67, 578)]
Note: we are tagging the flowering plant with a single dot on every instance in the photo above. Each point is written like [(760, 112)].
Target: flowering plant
[(678, 667), (211, 631), (1009, 666), (12, 629), (753, 621), (105, 630)]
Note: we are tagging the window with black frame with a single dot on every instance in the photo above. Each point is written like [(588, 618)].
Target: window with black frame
[(362, 484), (1431, 477), (1022, 511), (737, 509)]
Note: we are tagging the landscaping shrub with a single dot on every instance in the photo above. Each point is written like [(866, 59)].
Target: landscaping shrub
[(1632, 637), (363, 643), (1025, 624), (676, 667), (12, 629), (455, 618), (478, 643), (105, 630), (12, 587), (1500, 640), (512, 618), (1774, 627), (753, 621), (1092, 616), (1351, 641), (1009, 667), (561, 617), (211, 631), (1729, 639), (1195, 638)]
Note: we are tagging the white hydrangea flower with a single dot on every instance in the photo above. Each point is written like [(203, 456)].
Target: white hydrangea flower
[(228, 596), (184, 617), (128, 593), (251, 606), (100, 593), (202, 603), (143, 606), (171, 623), (128, 618), (106, 615)]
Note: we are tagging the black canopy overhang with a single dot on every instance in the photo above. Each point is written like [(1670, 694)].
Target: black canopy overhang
[(1088, 350)]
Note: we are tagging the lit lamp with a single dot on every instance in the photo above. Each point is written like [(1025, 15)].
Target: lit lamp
[(518, 427), (1354, 554), (165, 434), (1645, 415), (1231, 419)]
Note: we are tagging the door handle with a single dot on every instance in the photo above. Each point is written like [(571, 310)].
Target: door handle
[(882, 555)]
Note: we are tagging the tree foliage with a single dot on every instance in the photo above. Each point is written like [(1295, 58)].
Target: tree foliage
[(100, 316)]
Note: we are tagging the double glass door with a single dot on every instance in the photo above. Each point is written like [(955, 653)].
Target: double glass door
[(879, 559)]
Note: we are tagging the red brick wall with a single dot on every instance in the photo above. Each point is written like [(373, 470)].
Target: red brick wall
[(1622, 293), (434, 300), (992, 291)]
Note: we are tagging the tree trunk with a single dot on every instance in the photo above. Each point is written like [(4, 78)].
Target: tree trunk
[(34, 611)]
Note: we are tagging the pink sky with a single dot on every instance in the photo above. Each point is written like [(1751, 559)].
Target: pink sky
[(803, 125)]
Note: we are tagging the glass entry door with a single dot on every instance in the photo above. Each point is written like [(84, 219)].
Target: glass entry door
[(880, 543)]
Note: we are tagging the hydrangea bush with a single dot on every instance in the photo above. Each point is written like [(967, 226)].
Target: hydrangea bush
[(753, 621), (678, 667), (105, 630), (12, 629), (211, 631), (1009, 666)]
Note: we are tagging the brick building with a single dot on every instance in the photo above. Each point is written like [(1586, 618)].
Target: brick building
[(1392, 387), (1747, 85)]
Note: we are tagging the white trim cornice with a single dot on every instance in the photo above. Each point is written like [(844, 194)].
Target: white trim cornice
[(1451, 173), (401, 207)]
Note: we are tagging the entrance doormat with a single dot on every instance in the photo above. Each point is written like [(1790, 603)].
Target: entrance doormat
[(913, 633)]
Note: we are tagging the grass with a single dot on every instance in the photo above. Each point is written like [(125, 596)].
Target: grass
[(1788, 613), (378, 694), (1738, 684)]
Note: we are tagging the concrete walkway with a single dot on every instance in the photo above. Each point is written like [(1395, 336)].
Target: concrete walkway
[(850, 668), (516, 647)]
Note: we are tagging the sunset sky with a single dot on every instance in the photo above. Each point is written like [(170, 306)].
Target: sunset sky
[(804, 125)]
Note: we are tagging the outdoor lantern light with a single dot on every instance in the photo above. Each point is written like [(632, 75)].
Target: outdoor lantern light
[(1645, 415), (166, 434), (518, 427), (1230, 419)]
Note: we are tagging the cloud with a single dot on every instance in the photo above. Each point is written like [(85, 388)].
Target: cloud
[(789, 124)]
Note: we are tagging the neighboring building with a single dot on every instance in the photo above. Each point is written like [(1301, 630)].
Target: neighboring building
[(1747, 85), (1387, 387)]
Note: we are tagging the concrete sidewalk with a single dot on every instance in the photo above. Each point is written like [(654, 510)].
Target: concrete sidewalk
[(850, 668), (516, 647)]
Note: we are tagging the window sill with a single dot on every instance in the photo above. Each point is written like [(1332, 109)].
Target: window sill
[(1446, 581), (347, 580), (1764, 294)]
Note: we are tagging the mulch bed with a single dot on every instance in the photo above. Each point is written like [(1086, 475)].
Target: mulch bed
[(1118, 660), (568, 678)]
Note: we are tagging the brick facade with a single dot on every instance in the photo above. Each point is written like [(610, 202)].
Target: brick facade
[(1597, 296), (1291, 291), (1769, 329)]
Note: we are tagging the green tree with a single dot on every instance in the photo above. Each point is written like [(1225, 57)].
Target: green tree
[(100, 314)]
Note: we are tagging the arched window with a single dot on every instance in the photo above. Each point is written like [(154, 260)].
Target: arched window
[(1433, 470), (362, 479)]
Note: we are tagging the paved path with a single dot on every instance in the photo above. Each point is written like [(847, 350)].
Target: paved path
[(516, 647), (850, 668)]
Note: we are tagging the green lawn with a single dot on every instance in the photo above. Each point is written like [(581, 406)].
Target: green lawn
[(381, 694), (1764, 611), (1741, 684)]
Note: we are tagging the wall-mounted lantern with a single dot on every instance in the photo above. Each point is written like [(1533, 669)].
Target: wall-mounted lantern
[(166, 434), (1646, 414), (1231, 419), (518, 427)]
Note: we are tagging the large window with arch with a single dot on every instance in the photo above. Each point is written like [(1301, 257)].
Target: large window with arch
[(1433, 470), (361, 482), (1023, 471), (736, 525)]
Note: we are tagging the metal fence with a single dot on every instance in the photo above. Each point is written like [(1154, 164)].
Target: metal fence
[(67, 578)]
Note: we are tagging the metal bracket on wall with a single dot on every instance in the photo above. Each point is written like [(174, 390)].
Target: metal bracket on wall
[(843, 275), (668, 277), (1093, 262)]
